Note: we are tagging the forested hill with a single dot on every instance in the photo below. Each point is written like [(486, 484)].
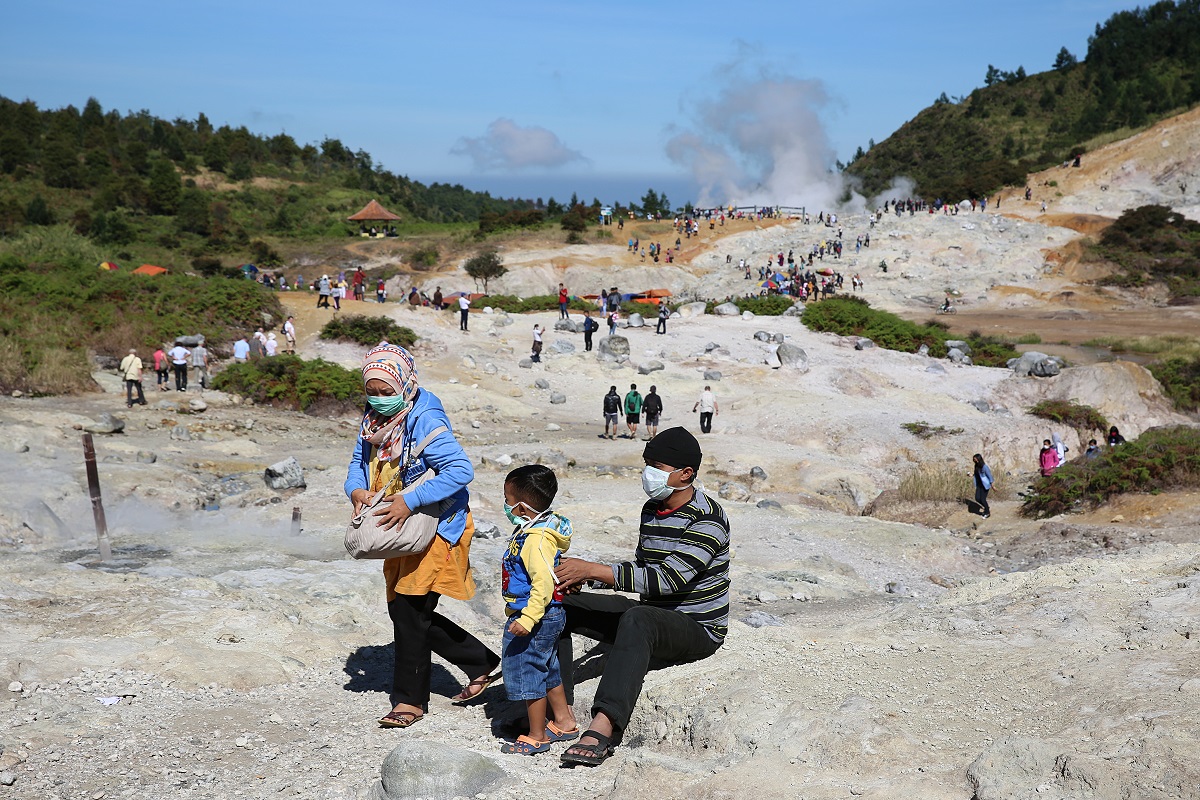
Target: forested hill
[(121, 177), (1141, 66)]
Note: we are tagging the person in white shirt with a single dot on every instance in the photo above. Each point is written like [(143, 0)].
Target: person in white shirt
[(131, 371), (464, 306), (200, 364), (179, 358), (707, 405), (289, 333), (271, 345), (536, 355)]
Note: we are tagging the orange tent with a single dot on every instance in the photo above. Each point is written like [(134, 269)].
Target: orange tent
[(149, 269), (373, 212), (108, 265)]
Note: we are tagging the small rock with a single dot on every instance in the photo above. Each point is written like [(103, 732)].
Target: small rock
[(542, 383), (762, 336), (557, 398), (197, 406), (490, 368), (476, 424), (286, 474), (180, 433), (16, 686), (863, 343), (8, 778), (955, 355), (792, 357), (468, 362), (525, 363), (761, 619), (766, 597), (768, 503), (895, 587), (146, 457), (552, 427), (436, 771), (923, 350), (982, 406), (712, 375), (708, 348), (758, 474), (106, 424), (241, 741), (504, 459), (777, 338), (646, 367), (960, 345)]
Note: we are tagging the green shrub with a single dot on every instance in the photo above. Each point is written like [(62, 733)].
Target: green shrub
[(367, 331), (923, 430), (1029, 338), (1158, 460), (1080, 417), (425, 256), (292, 382), (1180, 379), (540, 302)]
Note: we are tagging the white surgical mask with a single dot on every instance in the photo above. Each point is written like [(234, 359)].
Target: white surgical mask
[(654, 483)]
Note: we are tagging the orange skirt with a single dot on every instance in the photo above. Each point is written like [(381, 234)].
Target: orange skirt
[(442, 568)]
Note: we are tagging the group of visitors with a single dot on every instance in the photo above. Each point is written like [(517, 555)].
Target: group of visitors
[(680, 572)]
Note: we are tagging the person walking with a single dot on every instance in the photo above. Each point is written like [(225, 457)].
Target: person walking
[(1047, 459), (652, 407), (563, 299), (536, 354), (589, 327), (663, 314), (707, 406), (612, 407), (161, 369), (983, 484), (131, 371), (289, 331), (323, 291), (464, 307), (613, 318), (633, 410), (241, 350), (200, 364), (179, 362), (399, 416)]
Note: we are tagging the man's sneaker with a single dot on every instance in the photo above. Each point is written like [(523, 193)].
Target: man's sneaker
[(985, 516)]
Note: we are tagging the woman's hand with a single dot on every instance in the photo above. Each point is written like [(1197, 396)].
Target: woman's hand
[(393, 511), (359, 497)]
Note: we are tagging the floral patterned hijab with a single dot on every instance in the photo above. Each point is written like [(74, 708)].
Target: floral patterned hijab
[(394, 366)]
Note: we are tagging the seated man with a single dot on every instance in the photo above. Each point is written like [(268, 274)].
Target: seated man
[(681, 571)]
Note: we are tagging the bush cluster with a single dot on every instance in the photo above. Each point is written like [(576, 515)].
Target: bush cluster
[(1068, 412), (1180, 379), (771, 305), (1158, 460), (540, 302), (367, 331), (295, 383), (1153, 243)]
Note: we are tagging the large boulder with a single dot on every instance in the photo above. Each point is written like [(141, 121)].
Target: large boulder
[(562, 347), (610, 348), (727, 310), (792, 357), (712, 375), (105, 423), (435, 770), (565, 325), (693, 309), (635, 321), (286, 474), (646, 367), (190, 341), (960, 345), (1037, 364)]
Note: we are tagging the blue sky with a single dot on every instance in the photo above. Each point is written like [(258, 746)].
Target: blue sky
[(534, 98)]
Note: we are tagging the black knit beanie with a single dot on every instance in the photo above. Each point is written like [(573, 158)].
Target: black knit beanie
[(676, 447)]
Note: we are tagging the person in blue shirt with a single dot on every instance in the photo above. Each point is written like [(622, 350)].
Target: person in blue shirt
[(983, 484)]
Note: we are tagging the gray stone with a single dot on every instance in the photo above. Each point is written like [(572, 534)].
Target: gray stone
[(490, 368), (758, 474), (768, 503), (728, 490), (487, 530), (8, 778), (180, 433), (708, 348), (959, 345), (792, 356), (956, 355), (435, 771), (761, 619), (565, 325), (504, 460), (727, 310), (795, 311), (936, 369), (542, 383), (693, 309), (1047, 368), (38, 517), (1028, 768), (895, 587), (146, 457), (468, 362), (552, 427), (764, 596), (762, 336), (286, 474), (646, 367), (772, 359), (557, 398), (109, 383), (562, 347), (923, 350), (197, 406), (502, 320), (777, 338), (981, 405), (747, 315), (635, 321), (675, 315), (610, 347), (712, 375), (525, 363), (863, 343), (190, 341), (106, 423), (476, 424)]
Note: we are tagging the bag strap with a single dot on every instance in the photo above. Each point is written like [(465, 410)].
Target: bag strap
[(412, 456)]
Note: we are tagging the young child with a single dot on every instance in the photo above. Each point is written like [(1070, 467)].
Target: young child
[(534, 608)]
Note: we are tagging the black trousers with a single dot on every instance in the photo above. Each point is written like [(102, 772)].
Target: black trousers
[(180, 376), (706, 421), (462, 323), (587, 341), (129, 387), (637, 634), (419, 631), (662, 326), (322, 301), (981, 499)]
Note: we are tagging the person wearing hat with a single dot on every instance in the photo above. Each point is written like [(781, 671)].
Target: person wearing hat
[(131, 371), (680, 570), (324, 289)]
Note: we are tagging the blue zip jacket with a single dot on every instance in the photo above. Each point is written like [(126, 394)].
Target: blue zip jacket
[(444, 454)]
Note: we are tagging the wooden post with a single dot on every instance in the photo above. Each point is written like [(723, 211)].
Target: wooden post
[(295, 520), (89, 461)]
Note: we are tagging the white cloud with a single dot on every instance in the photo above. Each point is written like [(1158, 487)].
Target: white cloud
[(508, 147)]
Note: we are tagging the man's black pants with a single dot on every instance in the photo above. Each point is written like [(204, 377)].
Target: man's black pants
[(706, 421), (462, 323), (637, 633), (180, 377), (419, 630), (587, 341), (129, 387)]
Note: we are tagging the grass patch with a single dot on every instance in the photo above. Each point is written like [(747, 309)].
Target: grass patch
[(939, 483), (367, 331), (1180, 379), (923, 430), (1029, 338), (1158, 460), (771, 305), (292, 382), (540, 302), (1076, 415), (1167, 345)]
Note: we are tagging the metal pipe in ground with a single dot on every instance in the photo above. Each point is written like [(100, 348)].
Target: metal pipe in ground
[(93, 477), (295, 520)]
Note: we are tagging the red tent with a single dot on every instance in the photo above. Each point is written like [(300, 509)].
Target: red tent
[(108, 266), (149, 269)]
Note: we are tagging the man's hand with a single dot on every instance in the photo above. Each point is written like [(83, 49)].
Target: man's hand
[(574, 571), (392, 511), (517, 629)]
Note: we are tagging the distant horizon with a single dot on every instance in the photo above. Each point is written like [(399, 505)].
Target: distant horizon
[(679, 189)]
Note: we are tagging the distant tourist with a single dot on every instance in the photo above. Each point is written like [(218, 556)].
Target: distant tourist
[(271, 346), (289, 334), (131, 372), (1114, 437), (464, 308), (612, 407), (1060, 448), (707, 406), (324, 289), (1093, 450), (437, 299), (1047, 459), (241, 350), (380, 291), (613, 319), (179, 358), (633, 410), (200, 364), (983, 484), (663, 314), (652, 407), (563, 299), (589, 327), (161, 369), (535, 354)]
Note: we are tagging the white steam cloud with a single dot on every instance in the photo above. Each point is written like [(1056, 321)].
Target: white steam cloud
[(509, 147)]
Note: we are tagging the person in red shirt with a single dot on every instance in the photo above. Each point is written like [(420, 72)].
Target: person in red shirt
[(562, 302)]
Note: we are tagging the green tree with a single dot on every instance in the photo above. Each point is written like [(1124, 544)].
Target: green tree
[(165, 187), (193, 215), (992, 76), (14, 152), (38, 212), (216, 156), (60, 166), (1065, 60), (485, 266)]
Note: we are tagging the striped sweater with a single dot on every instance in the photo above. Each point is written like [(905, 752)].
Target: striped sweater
[(682, 562)]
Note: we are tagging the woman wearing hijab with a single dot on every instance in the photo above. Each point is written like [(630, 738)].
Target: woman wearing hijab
[(400, 415), (983, 484), (1060, 449)]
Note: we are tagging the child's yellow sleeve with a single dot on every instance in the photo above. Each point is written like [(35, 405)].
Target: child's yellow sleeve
[(537, 555)]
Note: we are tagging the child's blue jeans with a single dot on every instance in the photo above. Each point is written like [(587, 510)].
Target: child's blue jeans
[(530, 663)]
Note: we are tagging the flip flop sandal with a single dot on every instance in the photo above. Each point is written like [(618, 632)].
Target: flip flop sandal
[(466, 695), (400, 719), (524, 746), (556, 734), (596, 754)]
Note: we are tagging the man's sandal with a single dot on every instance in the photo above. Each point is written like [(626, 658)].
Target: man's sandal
[(524, 746), (400, 719), (466, 695), (594, 755), (557, 734)]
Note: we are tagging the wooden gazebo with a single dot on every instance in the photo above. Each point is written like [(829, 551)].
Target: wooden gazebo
[(373, 212)]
